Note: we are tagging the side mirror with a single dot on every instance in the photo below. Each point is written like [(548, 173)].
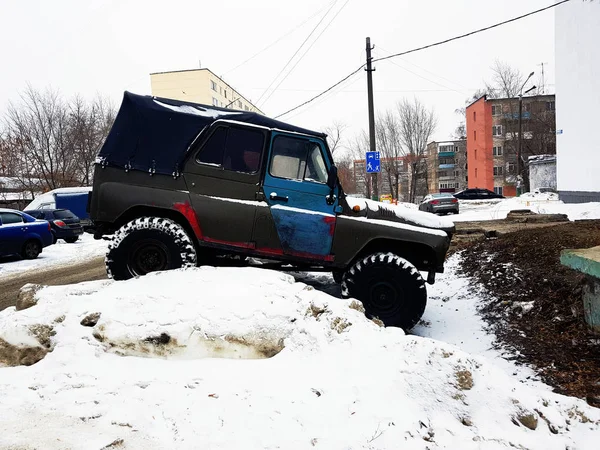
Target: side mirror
[(332, 177)]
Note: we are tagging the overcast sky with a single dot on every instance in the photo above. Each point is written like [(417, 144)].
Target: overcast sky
[(109, 46)]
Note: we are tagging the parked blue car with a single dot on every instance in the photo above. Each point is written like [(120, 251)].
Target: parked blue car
[(21, 234)]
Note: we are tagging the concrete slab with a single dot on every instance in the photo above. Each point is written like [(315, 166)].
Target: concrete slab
[(585, 260)]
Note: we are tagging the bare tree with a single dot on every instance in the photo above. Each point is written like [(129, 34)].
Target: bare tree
[(460, 132), (417, 124), (387, 135), (506, 81), (358, 148), (52, 143), (334, 134)]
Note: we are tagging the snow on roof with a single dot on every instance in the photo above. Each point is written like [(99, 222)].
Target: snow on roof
[(198, 110), (260, 362)]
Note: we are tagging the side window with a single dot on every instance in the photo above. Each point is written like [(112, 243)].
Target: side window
[(234, 149), (212, 151), (8, 218), (297, 159), (243, 149)]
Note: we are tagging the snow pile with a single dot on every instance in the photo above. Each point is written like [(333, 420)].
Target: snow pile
[(247, 358), (403, 212), (59, 254), (541, 203)]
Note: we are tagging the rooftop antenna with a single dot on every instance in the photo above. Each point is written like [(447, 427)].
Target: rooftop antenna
[(199, 64), (542, 80)]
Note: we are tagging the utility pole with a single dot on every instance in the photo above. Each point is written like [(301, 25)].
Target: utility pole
[(370, 70), (519, 146)]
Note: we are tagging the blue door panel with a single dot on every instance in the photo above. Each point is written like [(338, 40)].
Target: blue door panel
[(304, 221)]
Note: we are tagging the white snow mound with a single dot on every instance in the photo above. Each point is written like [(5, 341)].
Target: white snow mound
[(248, 358)]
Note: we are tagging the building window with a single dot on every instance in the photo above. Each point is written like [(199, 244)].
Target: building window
[(475, 172), (474, 135), (497, 130), (512, 168), (498, 190), (240, 104), (497, 151), (215, 102), (225, 93), (475, 153), (213, 85), (496, 110), (474, 116), (246, 108), (550, 106), (498, 171)]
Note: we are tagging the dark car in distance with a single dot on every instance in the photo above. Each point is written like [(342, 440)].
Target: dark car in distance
[(65, 225), (21, 234), (442, 203), (477, 194)]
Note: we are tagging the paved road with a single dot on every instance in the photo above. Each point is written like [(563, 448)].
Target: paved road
[(86, 271)]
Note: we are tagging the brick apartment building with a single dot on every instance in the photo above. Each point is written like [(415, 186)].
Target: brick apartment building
[(492, 139), (386, 179), (446, 166)]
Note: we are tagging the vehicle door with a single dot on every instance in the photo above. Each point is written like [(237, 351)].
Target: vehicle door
[(12, 232), (223, 178), (295, 187)]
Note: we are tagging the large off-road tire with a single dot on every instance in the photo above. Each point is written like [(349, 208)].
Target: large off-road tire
[(148, 244), (31, 249), (389, 287)]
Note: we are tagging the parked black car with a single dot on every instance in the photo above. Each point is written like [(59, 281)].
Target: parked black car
[(65, 225), (442, 203), (477, 194)]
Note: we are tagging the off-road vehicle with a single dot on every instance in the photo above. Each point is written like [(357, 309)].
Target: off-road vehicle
[(179, 184)]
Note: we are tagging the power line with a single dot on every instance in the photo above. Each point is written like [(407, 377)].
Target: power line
[(296, 52), (278, 40), (422, 48), (322, 93), (514, 19), (304, 54)]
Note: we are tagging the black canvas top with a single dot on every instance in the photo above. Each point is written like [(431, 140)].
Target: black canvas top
[(154, 134)]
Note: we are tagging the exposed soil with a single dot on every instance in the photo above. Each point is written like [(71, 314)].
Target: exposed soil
[(92, 269), (536, 306)]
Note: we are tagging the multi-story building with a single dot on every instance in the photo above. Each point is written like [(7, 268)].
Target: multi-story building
[(493, 137), (392, 180), (446, 166), (578, 89), (199, 86)]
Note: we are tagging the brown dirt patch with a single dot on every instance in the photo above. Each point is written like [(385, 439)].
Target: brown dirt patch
[(537, 307)]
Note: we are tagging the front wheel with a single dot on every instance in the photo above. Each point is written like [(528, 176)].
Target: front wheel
[(148, 244), (389, 287)]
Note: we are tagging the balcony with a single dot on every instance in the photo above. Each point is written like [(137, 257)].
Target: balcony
[(515, 116), (446, 155), (446, 166)]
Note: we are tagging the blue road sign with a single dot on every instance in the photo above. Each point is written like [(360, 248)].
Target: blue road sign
[(373, 164)]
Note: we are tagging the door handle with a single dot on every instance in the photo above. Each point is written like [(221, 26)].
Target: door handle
[(278, 198)]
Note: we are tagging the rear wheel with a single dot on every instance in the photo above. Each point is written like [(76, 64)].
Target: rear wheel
[(148, 244), (389, 287), (31, 249), (71, 240)]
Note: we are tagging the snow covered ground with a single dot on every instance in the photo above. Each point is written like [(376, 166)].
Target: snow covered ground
[(248, 358), (59, 254), (475, 210)]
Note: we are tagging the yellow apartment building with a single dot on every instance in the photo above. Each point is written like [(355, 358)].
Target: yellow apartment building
[(199, 86)]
